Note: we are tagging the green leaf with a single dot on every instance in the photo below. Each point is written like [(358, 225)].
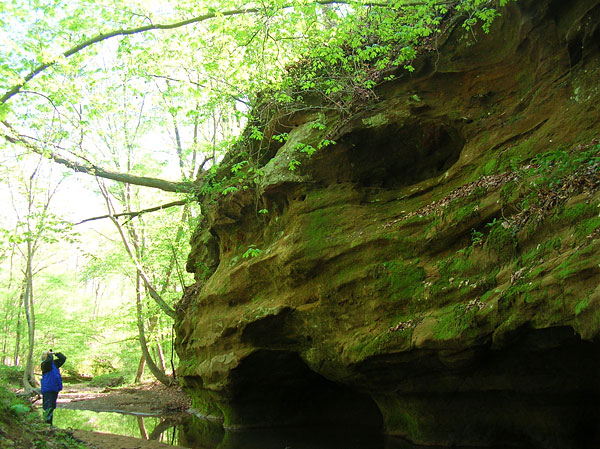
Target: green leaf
[(252, 251), (19, 409), (229, 190), (293, 164)]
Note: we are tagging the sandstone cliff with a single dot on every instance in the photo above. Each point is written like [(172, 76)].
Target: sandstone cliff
[(435, 272)]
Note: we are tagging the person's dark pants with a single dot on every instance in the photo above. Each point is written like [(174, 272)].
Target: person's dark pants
[(49, 404)]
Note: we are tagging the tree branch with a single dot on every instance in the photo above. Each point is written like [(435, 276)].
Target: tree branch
[(94, 170), (136, 213)]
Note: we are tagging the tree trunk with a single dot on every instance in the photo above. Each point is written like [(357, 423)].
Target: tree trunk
[(142, 427), (134, 258), (140, 370), (8, 316), (29, 381), (18, 334), (96, 300), (161, 357), (160, 376)]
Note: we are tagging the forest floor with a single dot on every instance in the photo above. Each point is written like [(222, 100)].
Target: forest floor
[(142, 400)]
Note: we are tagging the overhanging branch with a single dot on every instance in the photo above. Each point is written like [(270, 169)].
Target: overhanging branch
[(168, 186), (136, 213)]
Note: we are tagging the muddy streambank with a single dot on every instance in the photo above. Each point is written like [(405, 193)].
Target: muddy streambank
[(145, 400), (165, 406)]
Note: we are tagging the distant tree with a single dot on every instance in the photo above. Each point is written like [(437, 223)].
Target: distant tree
[(32, 192)]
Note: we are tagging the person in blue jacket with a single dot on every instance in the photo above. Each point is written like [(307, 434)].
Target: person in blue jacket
[(51, 382)]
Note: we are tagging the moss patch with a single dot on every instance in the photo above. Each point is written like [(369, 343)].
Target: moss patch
[(404, 279)]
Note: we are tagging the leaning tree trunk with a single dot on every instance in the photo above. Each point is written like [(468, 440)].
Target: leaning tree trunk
[(161, 357), (160, 376), (152, 323)]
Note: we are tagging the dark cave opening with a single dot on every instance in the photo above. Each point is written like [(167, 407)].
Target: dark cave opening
[(277, 389), (397, 155), (539, 389)]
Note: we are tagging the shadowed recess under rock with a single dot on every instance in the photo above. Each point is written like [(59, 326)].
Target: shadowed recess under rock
[(401, 154), (276, 388)]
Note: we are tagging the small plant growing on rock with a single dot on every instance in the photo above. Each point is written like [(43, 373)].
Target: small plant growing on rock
[(252, 251)]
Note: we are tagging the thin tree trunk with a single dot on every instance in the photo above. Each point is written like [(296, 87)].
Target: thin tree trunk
[(8, 316), (28, 380), (161, 357), (18, 335), (140, 370), (142, 427), (96, 300), (130, 251), (133, 252)]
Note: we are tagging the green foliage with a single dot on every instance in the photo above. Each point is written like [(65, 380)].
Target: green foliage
[(108, 380), (23, 428), (466, 212), (553, 167), (252, 251), (293, 164), (477, 237), (586, 227), (306, 148), (283, 137), (11, 375), (19, 409), (576, 213), (365, 45), (480, 11), (255, 133), (458, 265), (228, 190), (539, 253)]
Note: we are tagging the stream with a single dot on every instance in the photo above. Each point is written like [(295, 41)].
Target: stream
[(192, 432)]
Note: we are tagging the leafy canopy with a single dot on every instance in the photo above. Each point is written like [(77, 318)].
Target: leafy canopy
[(65, 64)]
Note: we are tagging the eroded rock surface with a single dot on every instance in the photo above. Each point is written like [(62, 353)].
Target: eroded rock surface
[(412, 276)]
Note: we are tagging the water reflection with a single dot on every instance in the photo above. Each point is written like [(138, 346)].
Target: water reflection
[(192, 432), (145, 427)]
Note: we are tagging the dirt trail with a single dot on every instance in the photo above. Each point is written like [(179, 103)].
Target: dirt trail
[(148, 400)]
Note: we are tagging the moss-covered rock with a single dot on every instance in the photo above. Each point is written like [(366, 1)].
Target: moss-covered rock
[(436, 269)]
